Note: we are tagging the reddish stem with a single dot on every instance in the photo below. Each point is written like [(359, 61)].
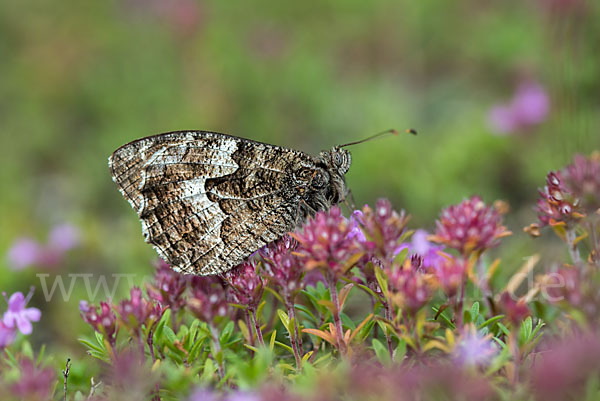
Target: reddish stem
[(331, 280)]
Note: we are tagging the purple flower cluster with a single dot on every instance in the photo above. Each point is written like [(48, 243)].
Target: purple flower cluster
[(325, 243), (571, 193), (137, 311), (208, 299), (17, 318), (35, 382), (246, 285), (470, 226), (409, 286), (168, 287), (383, 228), (104, 322), (27, 252), (282, 267)]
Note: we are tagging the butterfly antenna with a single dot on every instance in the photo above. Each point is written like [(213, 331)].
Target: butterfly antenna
[(382, 133)]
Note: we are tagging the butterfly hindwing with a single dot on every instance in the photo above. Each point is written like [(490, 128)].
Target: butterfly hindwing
[(207, 200)]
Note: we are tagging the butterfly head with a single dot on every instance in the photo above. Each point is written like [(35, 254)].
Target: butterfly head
[(337, 159)]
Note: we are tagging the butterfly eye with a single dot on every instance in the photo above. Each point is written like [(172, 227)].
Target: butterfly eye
[(337, 159)]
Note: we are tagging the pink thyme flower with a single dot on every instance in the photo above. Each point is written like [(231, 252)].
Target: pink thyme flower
[(324, 243), (208, 299), (104, 322), (470, 226), (450, 274), (281, 266), (529, 106), (167, 287), (419, 245), (35, 383), (383, 228), (571, 193), (18, 315), (246, 286), (408, 285), (137, 311), (7, 335)]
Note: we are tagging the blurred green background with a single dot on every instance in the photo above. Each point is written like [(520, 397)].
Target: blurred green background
[(80, 78)]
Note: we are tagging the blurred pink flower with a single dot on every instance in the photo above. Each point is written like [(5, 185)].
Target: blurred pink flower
[(473, 349), (35, 383), (64, 237), (529, 106), (7, 335), (27, 252), (450, 274), (18, 315), (23, 253), (515, 310)]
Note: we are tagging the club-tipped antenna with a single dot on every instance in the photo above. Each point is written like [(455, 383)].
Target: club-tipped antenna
[(382, 133)]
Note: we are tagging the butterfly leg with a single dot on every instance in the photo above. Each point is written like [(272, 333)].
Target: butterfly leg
[(349, 202)]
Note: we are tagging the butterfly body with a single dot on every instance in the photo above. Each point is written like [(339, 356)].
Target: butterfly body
[(207, 200)]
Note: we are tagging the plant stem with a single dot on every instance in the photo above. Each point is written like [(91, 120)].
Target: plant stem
[(259, 335), (388, 316), (217, 345), (249, 325), (66, 377), (150, 342), (573, 250), (294, 337), (460, 302), (336, 314)]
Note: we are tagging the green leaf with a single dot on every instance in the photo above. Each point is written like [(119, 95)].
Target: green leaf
[(272, 341), (400, 350), (467, 316), (226, 333), (382, 352), (475, 310), (347, 321), (26, 349), (283, 316), (525, 330), (209, 371), (490, 321), (381, 280), (90, 345), (503, 328), (169, 335), (285, 346), (444, 318), (306, 311)]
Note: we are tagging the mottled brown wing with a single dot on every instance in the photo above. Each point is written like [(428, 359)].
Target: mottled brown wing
[(207, 200)]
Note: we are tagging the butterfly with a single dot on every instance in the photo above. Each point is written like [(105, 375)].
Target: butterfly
[(207, 201)]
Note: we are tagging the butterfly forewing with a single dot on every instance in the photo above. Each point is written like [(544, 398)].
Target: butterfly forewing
[(208, 200)]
